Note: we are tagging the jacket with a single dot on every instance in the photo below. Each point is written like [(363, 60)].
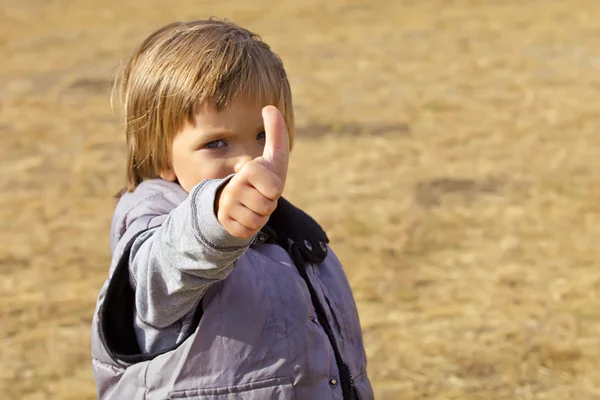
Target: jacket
[(190, 312)]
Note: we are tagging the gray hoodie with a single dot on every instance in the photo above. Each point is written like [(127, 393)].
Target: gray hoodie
[(191, 312)]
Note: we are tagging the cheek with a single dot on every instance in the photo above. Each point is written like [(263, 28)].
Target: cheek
[(187, 171), (210, 170), (259, 150), (197, 168)]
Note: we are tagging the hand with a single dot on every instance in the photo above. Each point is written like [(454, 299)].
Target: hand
[(247, 201)]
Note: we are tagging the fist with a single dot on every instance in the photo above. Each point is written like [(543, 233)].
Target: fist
[(247, 201)]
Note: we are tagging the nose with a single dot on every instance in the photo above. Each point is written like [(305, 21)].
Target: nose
[(241, 160)]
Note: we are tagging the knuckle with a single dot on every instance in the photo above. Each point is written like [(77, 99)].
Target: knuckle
[(275, 190), (226, 204), (230, 227), (242, 178), (270, 207), (241, 231), (255, 223), (262, 222), (251, 168), (248, 233), (236, 183)]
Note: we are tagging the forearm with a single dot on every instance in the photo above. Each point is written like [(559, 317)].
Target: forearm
[(174, 264)]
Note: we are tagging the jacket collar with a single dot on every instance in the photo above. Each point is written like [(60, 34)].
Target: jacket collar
[(289, 223)]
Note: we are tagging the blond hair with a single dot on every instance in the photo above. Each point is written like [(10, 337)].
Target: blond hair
[(182, 67)]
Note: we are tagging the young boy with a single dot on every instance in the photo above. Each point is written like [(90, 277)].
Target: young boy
[(219, 288)]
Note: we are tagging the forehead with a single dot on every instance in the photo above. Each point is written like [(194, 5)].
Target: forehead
[(238, 116)]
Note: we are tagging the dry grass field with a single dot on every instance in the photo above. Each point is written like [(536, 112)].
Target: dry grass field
[(451, 148)]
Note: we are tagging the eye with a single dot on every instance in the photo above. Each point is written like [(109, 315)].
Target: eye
[(261, 135), (215, 144)]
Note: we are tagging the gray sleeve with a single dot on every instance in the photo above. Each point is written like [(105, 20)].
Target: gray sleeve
[(172, 265)]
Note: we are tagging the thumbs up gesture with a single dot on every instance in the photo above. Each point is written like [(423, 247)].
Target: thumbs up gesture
[(247, 201)]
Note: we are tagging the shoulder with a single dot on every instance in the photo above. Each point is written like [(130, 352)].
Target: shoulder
[(137, 210)]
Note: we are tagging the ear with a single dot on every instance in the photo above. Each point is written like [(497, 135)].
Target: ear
[(168, 174)]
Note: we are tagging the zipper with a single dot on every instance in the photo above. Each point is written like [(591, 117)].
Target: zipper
[(346, 379)]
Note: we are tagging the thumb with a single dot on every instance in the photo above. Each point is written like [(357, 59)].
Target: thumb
[(276, 154)]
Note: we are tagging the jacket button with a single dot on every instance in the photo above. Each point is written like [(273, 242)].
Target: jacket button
[(323, 246), (308, 245), (333, 382)]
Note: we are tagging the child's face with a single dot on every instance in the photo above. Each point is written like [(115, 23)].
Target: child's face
[(218, 145)]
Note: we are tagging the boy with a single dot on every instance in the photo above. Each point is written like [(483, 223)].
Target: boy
[(219, 288)]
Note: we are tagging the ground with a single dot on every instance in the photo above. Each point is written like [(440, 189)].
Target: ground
[(449, 148)]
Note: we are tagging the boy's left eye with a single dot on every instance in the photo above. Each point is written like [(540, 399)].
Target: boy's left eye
[(261, 135)]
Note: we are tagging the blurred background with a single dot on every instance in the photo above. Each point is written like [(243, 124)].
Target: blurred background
[(449, 148)]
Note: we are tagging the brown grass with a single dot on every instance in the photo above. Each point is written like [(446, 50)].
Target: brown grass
[(450, 148)]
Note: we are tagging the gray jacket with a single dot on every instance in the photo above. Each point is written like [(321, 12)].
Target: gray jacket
[(190, 312)]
